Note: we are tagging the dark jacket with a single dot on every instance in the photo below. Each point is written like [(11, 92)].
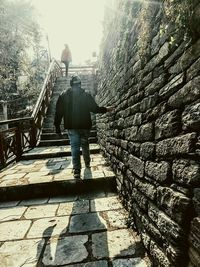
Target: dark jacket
[(75, 105)]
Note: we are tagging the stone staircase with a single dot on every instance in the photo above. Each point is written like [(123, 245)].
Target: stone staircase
[(48, 218)]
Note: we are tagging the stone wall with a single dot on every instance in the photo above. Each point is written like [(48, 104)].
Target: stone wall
[(150, 72)]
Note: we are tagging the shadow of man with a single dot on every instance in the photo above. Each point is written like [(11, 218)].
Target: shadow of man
[(83, 240)]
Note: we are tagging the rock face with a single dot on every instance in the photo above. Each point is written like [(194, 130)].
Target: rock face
[(150, 72)]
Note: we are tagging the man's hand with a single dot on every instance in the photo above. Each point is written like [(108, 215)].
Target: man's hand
[(109, 109)]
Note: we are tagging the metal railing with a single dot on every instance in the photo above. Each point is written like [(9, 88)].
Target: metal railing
[(23, 133)]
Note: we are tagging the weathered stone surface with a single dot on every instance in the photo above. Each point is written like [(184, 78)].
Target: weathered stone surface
[(48, 227), (102, 204), (86, 222), (147, 189), (65, 250), (196, 201), (169, 229), (133, 262), (148, 102), (136, 165), (14, 230), (176, 146), (90, 264), (21, 253), (171, 87), (193, 71), (41, 211), (115, 219), (175, 204), (187, 94), (158, 256), (191, 117), (11, 213), (145, 132), (81, 206), (159, 171), (186, 172), (167, 125), (119, 243), (147, 150), (194, 237), (186, 59)]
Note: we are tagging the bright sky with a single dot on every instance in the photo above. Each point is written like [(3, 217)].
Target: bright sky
[(75, 22)]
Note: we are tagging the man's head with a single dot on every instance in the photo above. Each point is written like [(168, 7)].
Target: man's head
[(75, 81)]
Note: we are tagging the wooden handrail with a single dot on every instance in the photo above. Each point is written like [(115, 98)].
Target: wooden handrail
[(26, 131)]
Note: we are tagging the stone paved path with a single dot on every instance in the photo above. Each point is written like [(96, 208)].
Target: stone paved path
[(51, 169), (75, 231)]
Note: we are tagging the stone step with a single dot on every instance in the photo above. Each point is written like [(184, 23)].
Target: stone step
[(52, 177), (54, 151), (54, 136), (61, 142)]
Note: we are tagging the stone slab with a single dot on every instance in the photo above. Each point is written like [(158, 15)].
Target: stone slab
[(90, 264), (108, 203), (13, 213), (21, 253), (60, 199), (32, 202), (41, 211), (49, 227), (65, 250), (80, 206), (114, 244), (116, 218), (133, 262), (14, 230), (86, 222)]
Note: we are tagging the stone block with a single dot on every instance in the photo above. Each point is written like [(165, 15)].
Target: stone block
[(191, 117), (145, 132), (194, 237), (196, 201), (140, 199), (118, 243), (155, 85), (147, 189), (159, 171), (186, 59), (169, 229), (136, 165), (183, 144), (174, 204), (159, 257), (187, 94), (193, 71), (186, 172), (171, 87), (148, 102), (167, 125), (70, 249), (147, 150), (21, 253)]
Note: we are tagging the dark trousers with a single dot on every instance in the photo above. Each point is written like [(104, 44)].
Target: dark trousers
[(79, 139), (66, 68)]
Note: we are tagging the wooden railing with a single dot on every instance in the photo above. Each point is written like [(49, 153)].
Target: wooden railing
[(23, 134)]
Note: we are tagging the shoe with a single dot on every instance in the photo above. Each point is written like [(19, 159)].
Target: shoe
[(77, 174)]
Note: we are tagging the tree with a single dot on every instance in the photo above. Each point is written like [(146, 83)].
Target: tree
[(19, 48)]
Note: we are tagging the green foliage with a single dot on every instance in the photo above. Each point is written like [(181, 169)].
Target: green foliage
[(20, 51)]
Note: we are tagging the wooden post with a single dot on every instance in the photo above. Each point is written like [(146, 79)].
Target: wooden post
[(33, 134), (2, 158), (19, 149)]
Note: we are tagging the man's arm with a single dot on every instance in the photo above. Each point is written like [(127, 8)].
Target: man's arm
[(95, 108), (58, 114)]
